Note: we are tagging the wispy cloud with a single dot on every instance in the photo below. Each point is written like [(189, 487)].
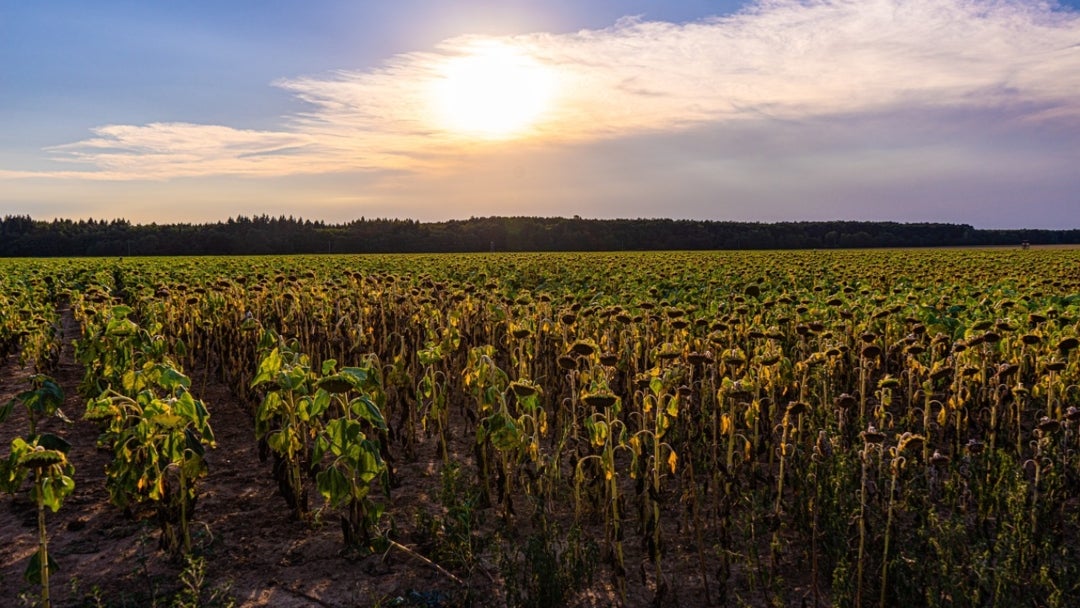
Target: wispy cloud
[(776, 62), (165, 150)]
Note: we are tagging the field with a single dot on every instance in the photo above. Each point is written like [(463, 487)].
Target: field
[(811, 428)]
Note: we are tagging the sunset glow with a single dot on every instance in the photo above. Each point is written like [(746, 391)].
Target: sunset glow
[(961, 111), (494, 91)]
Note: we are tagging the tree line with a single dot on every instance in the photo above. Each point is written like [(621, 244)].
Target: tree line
[(23, 236)]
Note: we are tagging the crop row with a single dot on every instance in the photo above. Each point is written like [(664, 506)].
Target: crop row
[(905, 423)]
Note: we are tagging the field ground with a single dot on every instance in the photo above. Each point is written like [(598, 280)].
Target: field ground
[(812, 428)]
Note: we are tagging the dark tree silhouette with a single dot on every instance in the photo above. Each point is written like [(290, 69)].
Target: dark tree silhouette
[(22, 236)]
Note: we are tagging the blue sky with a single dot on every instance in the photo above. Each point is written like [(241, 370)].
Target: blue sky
[(908, 110)]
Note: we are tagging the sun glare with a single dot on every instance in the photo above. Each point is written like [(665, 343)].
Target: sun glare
[(494, 92)]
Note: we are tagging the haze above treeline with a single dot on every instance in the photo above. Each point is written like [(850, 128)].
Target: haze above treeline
[(23, 236)]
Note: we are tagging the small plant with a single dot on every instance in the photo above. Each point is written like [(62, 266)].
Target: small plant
[(449, 537), (872, 443), (548, 570), (194, 593), (288, 416), (355, 462), (487, 384), (159, 444), (607, 433), (94, 597), (45, 457), (911, 444), (42, 401)]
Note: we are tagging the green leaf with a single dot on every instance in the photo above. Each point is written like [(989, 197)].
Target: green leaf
[(192, 411), (426, 387), (278, 442), (268, 368), (54, 489), (430, 355), (598, 431), (333, 485), (319, 404), (673, 407), (504, 433), (11, 474), (346, 434), (269, 408), (318, 450), (121, 328), (363, 376), (120, 312), (335, 435), (193, 443), (44, 399), (656, 385), (365, 409), (33, 568), (168, 422), (128, 381), (48, 495), (172, 379), (294, 378), (369, 464), (194, 468), (328, 366)]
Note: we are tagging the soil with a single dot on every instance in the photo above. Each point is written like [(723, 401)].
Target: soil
[(252, 553)]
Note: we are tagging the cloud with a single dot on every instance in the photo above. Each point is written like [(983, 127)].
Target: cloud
[(166, 150), (785, 60), (776, 63)]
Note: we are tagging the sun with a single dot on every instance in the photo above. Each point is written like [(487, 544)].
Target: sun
[(494, 91)]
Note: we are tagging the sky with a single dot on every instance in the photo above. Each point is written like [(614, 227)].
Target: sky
[(962, 111)]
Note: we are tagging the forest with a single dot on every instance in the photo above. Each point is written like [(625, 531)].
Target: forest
[(23, 236)]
